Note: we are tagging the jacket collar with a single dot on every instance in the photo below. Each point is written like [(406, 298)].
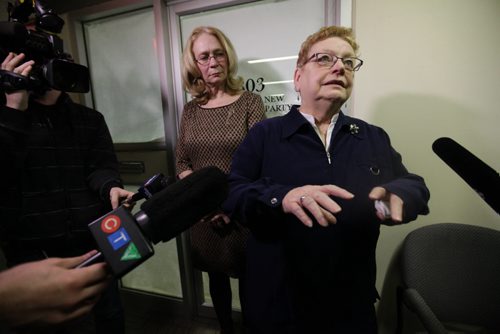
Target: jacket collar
[(293, 121)]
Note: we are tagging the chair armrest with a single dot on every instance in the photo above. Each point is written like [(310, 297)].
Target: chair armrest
[(414, 301)]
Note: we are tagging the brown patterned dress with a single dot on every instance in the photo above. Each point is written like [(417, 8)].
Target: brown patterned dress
[(209, 137)]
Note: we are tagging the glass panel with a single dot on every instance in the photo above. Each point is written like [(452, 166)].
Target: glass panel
[(261, 31), (346, 13), (124, 69)]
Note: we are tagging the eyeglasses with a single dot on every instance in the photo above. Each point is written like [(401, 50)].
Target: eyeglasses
[(218, 55), (328, 60)]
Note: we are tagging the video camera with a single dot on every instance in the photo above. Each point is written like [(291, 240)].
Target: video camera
[(53, 67)]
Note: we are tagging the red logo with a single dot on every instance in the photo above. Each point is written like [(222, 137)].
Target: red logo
[(110, 224)]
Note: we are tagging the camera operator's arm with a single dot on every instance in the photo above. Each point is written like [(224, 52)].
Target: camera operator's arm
[(50, 291), (104, 177), (13, 126), (14, 63)]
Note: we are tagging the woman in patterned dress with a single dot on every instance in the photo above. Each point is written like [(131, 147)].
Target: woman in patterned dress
[(213, 125)]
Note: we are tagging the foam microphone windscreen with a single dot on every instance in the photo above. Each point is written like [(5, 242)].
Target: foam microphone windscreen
[(182, 204), (481, 177)]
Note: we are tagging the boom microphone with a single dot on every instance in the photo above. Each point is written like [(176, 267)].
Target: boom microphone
[(182, 204), (481, 177), (124, 240)]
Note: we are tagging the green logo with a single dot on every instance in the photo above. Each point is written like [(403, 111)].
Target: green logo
[(131, 253)]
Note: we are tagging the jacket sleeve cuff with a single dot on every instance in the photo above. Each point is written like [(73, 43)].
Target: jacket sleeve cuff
[(107, 186)]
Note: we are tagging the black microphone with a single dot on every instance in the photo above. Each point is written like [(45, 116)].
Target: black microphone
[(481, 177), (185, 202), (125, 240)]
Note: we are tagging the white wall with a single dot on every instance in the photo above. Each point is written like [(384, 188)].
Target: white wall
[(431, 70)]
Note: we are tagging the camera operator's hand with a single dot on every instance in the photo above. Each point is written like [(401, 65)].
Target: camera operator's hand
[(14, 63)]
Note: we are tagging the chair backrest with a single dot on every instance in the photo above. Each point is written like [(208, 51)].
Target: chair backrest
[(456, 269)]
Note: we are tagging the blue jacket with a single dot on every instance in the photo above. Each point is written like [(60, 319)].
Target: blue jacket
[(298, 270)]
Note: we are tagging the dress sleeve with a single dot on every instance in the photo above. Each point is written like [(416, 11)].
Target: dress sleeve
[(182, 159), (256, 111)]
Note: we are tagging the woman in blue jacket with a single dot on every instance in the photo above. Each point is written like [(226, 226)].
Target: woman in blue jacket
[(308, 185)]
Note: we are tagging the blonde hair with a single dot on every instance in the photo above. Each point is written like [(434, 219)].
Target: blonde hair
[(192, 79), (326, 32)]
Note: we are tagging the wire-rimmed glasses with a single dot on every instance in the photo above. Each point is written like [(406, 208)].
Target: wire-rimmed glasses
[(328, 60), (218, 55)]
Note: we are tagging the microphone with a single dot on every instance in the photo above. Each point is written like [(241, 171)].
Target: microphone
[(151, 186), (125, 240), (481, 177), (182, 204)]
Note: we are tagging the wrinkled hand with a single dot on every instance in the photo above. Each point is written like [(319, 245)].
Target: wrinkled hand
[(395, 204), (219, 220), (14, 63), (50, 291), (184, 174), (117, 195), (317, 201)]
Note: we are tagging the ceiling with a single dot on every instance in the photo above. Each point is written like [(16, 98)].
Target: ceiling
[(61, 7)]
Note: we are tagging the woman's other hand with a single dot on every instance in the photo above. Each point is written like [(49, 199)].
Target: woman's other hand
[(316, 200), (220, 220), (395, 204), (184, 174)]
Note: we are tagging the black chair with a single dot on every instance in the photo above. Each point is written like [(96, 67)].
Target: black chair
[(451, 278)]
